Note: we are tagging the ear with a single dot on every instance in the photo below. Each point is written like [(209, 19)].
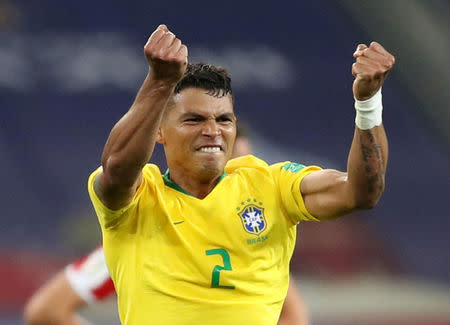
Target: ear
[(159, 136)]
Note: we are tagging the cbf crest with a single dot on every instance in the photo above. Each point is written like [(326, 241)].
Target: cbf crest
[(253, 219)]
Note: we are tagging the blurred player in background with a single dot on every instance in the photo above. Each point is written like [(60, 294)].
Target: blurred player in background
[(87, 282)]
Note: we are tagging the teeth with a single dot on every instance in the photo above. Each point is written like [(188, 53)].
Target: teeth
[(210, 149)]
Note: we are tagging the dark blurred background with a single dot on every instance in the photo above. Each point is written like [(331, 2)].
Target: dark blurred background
[(69, 70)]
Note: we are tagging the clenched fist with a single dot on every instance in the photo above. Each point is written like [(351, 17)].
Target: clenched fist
[(166, 55), (370, 69)]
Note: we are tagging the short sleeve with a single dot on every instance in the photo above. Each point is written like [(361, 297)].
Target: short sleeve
[(89, 277), (109, 218), (288, 176)]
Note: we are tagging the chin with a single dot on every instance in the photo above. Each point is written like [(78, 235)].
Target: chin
[(212, 169)]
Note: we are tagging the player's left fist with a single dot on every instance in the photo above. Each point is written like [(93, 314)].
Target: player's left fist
[(370, 69)]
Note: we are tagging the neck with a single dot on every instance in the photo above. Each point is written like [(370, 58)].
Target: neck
[(198, 187)]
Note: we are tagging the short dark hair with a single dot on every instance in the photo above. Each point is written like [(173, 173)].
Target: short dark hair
[(214, 79)]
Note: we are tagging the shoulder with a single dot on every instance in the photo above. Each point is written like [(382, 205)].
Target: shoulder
[(151, 172), (249, 163), (152, 182), (245, 162), (152, 177)]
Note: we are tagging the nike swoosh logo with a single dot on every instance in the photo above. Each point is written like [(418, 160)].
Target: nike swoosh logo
[(178, 222)]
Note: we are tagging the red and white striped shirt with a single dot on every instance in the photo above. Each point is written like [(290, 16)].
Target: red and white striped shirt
[(89, 277)]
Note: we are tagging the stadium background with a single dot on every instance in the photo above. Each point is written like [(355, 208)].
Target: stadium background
[(69, 70)]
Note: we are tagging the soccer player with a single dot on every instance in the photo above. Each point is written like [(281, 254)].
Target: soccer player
[(87, 281), (209, 241)]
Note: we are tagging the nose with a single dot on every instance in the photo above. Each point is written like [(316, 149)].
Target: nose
[(211, 128)]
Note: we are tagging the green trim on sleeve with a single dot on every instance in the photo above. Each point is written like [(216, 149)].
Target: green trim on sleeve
[(293, 167), (298, 197)]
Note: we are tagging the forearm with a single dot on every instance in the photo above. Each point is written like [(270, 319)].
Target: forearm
[(330, 193), (64, 317), (367, 165), (54, 303), (72, 319), (132, 140), (76, 320)]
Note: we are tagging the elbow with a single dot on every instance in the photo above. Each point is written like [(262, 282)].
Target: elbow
[(370, 198), (119, 174), (112, 166), (368, 204)]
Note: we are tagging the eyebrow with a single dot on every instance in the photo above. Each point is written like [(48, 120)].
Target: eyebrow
[(201, 116), (191, 114)]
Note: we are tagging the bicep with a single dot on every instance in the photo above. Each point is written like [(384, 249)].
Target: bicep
[(327, 194), (112, 195)]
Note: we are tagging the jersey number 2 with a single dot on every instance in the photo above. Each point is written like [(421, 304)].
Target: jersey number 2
[(216, 271)]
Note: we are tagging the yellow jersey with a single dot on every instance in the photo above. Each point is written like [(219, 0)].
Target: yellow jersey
[(224, 259)]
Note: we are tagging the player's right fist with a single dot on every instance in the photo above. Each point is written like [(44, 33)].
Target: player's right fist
[(166, 55)]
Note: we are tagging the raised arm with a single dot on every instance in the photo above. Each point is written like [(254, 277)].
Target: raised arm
[(331, 193), (132, 140)]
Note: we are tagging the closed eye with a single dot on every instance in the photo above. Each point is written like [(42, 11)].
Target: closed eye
[(193, 119), (226, 118)]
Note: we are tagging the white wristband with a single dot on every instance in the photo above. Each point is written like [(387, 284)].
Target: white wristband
[(368, 112)]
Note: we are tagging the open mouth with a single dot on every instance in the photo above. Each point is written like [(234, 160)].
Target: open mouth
[(210, 149)]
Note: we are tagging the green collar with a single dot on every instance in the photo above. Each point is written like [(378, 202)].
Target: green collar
[(175, 186)]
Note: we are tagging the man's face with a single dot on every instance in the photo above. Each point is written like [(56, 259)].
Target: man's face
[(198, 133)]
